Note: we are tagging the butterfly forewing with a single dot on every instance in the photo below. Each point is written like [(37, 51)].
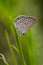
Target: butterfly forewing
[(23, 23)]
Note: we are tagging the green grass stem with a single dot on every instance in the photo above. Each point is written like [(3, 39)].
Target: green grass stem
[(11, 49), (3, 58), (15, 35)]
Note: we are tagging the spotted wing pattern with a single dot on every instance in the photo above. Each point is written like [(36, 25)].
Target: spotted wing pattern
[(23, 23)]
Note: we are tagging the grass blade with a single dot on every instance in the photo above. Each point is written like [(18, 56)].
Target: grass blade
[(11, 49), (3, 58), (15, 35)]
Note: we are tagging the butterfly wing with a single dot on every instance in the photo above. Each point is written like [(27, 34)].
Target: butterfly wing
[(23, 23)]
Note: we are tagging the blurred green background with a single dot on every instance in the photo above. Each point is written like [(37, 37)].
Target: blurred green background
[(9, 10)]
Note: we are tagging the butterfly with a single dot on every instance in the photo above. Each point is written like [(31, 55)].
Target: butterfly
[(23, 23)]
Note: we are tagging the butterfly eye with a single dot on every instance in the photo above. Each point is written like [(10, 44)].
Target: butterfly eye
[(18, 18)]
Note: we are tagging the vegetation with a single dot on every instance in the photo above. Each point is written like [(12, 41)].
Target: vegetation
[(26, 49)]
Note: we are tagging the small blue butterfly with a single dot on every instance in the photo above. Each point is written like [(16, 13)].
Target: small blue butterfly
[(23, 23)]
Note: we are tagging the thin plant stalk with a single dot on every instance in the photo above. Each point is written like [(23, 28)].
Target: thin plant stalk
[(30, 49), (16, 49), (14, 32), (15, 35), (3, 58), (11, 49)]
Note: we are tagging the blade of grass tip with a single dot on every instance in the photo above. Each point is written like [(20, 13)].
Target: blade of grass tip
[(18, 44), (3, 58), (11, 49), (30, 49)]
